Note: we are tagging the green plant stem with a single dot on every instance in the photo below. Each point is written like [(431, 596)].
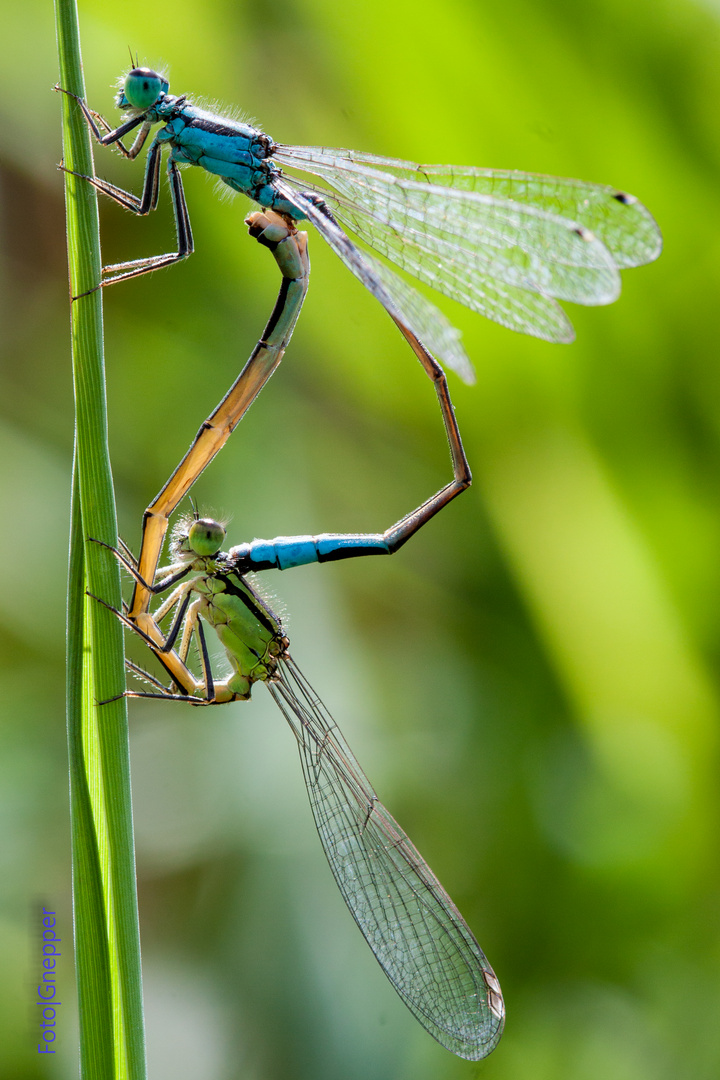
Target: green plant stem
[(107, 939)]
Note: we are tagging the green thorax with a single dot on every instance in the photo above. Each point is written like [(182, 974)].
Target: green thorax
[(249, 630)]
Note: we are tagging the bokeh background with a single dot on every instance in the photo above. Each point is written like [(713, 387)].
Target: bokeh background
[(531, 684)]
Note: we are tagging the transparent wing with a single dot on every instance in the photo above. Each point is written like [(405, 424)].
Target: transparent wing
[(518, 308), (404, 303), (515, 307), (626, 227), (449, 239), (418, 936), (430, 325), (464, 230)]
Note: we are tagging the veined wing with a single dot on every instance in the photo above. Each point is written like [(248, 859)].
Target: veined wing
[(437, 232), (459, 228), (517, 308), (626, 227), (418, 936)]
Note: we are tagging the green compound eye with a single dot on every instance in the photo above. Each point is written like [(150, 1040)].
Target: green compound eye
[(206, 537), (143, 87)]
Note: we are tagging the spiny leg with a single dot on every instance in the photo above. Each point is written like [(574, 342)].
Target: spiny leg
[(136, 267), (205, 661), (181, 599), (161, 646), (142, 205), (147, 201), (112, 136), (127, 560), (141, 673), (175, 662), (186, 618)]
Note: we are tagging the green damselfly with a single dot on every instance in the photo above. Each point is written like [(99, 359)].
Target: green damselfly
[(418, 936)]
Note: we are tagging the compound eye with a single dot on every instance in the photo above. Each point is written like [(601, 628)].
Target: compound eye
[(143, 87), (206, 537)]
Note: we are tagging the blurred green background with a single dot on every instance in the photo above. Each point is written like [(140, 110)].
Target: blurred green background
[(531, 684)]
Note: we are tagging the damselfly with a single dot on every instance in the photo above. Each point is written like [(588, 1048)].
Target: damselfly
[(506, 244), (418, 936)]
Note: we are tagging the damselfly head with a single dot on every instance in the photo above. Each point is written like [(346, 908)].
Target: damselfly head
[(206, 537), (197, 537), (141, 88)]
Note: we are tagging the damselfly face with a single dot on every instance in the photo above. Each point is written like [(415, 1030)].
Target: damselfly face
[(196, 538), (140, 89)]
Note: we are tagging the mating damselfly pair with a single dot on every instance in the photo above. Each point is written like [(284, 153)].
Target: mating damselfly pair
[(506, 244)]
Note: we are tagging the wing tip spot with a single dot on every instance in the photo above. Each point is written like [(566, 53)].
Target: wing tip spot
[(497, 1005)]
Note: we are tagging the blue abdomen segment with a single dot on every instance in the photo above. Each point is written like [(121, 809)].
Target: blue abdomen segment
[(284, 552)]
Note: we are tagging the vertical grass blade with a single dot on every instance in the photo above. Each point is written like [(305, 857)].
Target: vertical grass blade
[(107, 939)]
